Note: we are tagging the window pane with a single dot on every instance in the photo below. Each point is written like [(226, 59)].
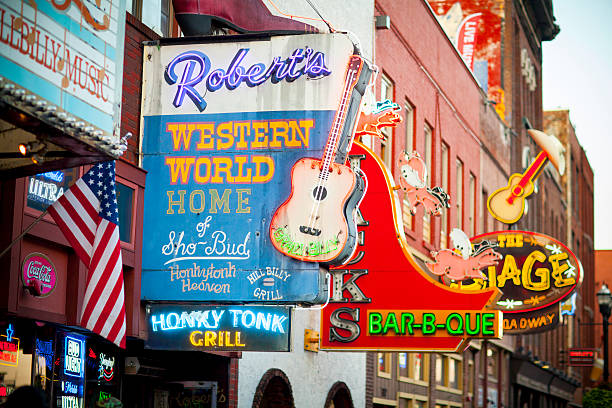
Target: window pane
[(418, 366), (403, 364), (444, 216), (409, 142), (492, 362), (386, 145), (428, 158), (472, 192), (125, 200), (454, 367), (459, 194), (45, 188), (440, 370), (384, 362)]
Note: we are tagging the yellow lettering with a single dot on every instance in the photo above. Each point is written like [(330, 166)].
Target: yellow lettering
[(542, 273), (261, 137), (307, 124), (278, 128), (224, 130), (199, 178), (259, 176), (222, 165), (193, 340), (206, 132), (210, 338), (509, 271), (179, 167), (559, 269), (242, 129), (242, 178), (238, 343), (179, 135)]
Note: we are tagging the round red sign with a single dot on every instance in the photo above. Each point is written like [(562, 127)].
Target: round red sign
[(38, 274)]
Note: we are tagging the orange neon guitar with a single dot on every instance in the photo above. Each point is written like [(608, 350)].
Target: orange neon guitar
[(507, 204), (312, 224)]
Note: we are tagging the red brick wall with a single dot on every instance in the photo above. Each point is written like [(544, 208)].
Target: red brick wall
[(135, 34), (432, 76)]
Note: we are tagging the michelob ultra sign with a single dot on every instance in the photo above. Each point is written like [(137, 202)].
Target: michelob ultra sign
[(536, 273), (223, 125)]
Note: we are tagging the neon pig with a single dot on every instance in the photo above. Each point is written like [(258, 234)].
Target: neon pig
[(196, 66)]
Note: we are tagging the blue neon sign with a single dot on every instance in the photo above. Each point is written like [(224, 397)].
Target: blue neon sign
[(196, 66), (197, 327), (74, 353)]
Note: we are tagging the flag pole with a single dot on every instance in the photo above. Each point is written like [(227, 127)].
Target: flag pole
[(25, 231)]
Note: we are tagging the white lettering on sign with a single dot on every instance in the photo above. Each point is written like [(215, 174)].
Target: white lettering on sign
[(70, 401), (73, 359), (44, 192), (38, 270)]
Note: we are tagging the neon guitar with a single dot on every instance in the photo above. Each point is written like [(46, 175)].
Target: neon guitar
[(312, 224), (507, 204)]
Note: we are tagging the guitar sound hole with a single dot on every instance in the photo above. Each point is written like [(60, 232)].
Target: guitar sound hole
[(319, 193)]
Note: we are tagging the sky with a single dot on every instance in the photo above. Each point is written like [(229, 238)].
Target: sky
[(577, 75)]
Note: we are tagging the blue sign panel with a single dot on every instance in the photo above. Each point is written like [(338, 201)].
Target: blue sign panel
[(71, 377), (214, 182), (223, 126), (219, 328)]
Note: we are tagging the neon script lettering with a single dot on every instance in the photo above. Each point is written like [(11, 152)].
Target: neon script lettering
[(196, 67)]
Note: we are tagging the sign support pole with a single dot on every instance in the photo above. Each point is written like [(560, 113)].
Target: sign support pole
[(25, 231)]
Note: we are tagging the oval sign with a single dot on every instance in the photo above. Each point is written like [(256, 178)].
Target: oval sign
[(536, 271), (38, 272)]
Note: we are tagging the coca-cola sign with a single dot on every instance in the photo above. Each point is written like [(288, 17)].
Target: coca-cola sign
[(38, 274)]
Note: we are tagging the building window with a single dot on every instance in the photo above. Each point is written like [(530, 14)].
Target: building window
[(448, 371), (459, 193), (165, 18), (402, 362), (384, 365), (409, 113), (417, 364), (160, 22), (440, 370), (428, 158), (484, 225), (408, 148), (45, 188), (444, 216), (492, 363), (454, 373), (125, 206), (386, 145), (136, 8), (472, 201)]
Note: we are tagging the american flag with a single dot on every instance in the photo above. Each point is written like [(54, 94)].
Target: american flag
[(87, 215)]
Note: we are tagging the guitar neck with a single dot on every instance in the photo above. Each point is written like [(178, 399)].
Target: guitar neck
[(534, 169), (352, 74)]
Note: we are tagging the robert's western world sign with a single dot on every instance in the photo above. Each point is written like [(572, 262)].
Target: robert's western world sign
[(223, 124), (229, 328)]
